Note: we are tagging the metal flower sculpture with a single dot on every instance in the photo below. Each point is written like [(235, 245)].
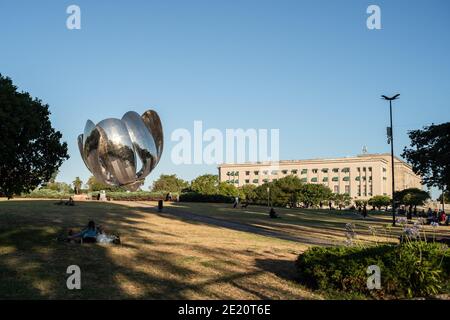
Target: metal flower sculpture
[(111, 148)]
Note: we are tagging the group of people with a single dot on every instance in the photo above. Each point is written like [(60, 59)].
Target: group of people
[(437, 217)]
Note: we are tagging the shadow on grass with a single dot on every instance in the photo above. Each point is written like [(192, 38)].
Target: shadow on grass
[(33, 264)]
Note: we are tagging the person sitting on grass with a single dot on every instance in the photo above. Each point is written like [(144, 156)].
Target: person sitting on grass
[(273, 214), (88, 234)]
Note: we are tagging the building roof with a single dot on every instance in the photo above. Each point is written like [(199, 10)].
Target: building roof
[(376, 156)]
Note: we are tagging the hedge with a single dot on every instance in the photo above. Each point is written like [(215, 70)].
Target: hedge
[(413, 269), (197, 197), (45, 194)]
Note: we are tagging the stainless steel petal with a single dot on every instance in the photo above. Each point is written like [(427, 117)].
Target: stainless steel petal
[(153, 124), (91, 139), (80, 147), (116, 150), (143, 142)]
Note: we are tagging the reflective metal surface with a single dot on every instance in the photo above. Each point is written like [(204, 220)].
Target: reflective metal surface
[(111, 148)]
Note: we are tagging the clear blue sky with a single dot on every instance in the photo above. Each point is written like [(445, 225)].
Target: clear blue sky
[(310, 68)]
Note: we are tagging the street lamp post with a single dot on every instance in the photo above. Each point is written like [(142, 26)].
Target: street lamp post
[(390, 133)]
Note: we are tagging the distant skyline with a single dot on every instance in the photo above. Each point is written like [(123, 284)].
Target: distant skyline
[(311, 69)]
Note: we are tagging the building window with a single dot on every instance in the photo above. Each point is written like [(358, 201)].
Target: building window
[(266, 180), (314, 170), (364, 169), (325, 170), (370, 169), (247, 173), (266, 172), (314, 180), (359, 191), (255, 180), (347, 189), (357, 178), (274, 172), (294, 171), (303, 180), (284, 171), (304, 171), (335, 169), (346, 178), (335, 179), (345, 170), (247, 181), (358, 169), (336, 189), (384, 169), (256, 173), (384, 178), (325, 179)]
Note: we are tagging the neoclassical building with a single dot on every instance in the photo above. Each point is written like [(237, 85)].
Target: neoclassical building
[(362, 176)]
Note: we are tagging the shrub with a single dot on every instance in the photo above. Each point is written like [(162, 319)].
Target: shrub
[(135, 196), (46, 194), (414, 269), (198, 197)]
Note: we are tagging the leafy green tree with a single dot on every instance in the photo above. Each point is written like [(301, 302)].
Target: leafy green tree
[(169, 183), (95, 185), (411, 197), (429, 154), (77, 183), (30, 149), (311, 194), (58, 186), (379, 201), (207, 184), (248, 192), (341, 199), (228, 190), (286, 190)]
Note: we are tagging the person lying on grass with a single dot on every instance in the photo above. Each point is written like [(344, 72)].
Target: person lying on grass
[(88, 234), (93, 234)]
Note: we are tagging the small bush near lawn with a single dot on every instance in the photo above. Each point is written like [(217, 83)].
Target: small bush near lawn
[(413, 269), (135, 196), (198, 197), (46, 194)]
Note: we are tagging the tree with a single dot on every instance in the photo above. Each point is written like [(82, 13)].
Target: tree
[(312, 194), (286, 191), (228, 190), (169, 183), (206, 184), (411, 197), (248, 192), (77, 183), (30, 148), (429, 155), (341, 199), (95, 185), (379, 201)]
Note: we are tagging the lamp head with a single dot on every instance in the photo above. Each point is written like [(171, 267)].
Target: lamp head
[(391, 98)]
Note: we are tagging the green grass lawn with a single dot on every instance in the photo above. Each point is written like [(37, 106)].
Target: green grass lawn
[(162, 256)]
